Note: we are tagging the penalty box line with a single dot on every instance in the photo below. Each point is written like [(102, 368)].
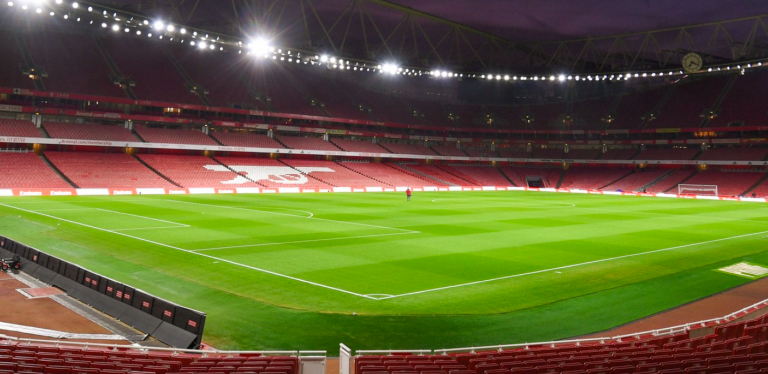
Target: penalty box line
[(570, 266), (195, 253)]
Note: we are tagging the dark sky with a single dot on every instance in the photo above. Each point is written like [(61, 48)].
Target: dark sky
[(537, 20)]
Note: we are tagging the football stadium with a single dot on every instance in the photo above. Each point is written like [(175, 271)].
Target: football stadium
[(383, 187)]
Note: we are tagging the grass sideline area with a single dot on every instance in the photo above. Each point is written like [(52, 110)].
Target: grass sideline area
[(448, 269)]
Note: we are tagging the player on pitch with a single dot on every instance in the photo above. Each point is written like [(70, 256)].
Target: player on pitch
[(408, 194)]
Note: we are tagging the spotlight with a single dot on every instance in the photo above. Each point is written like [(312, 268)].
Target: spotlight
[(203, 45), (170, 28), (323, 58), (145, 22), (561, 78), (10, 3), (138, 32), (104, 25), (38, 10), (389, 68), (75, 5), (183, 31), (158, 25), (115, 27), (59, 1)]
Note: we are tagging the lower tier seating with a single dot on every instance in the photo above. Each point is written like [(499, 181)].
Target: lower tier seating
[(593, 178), (387, 174), (478, 175), (195, 171), (27, 170), (273, 173), (336, 175), (106, 170), (63, 130), (636, 180)]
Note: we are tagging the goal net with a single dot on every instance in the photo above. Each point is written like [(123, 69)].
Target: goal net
[(697, 189)]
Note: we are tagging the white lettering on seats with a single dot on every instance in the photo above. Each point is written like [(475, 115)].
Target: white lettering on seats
[(274, 174)]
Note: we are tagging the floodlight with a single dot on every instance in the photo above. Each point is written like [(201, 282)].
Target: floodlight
[(183, 31), (75, 5), (104, 24), (10, 3), (203, 45), (158, 25), (561, 78), (115, 27), (323, 58), (170, 28)]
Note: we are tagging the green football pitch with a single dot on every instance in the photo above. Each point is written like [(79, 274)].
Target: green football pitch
[(447, 269)]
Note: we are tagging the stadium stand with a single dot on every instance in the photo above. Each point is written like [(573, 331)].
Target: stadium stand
[(220, 75), (671, 181), (163, 82), (593, 178), (667, 154), (191, 171), (63, 130), (685, 108), (408, 149), (388, 174), (273, 173), (619, 154), (513, 153), (734, 154), (340, 177), (583, 154), (246, 139), (737, 347), (637, 180), (15, 127), (315, 144), (73, 63), (10, 73), (589, 114), (473, 151), (171, 136), (105, 170), (448, 150), (518, 175), (27, 170), (281, 89), (632, 107), (739, 105), (547, 153), (363, 146), (729, 183), (478, 175), (441, 175)]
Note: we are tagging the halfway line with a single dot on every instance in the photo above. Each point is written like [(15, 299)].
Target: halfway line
[(303, 241)]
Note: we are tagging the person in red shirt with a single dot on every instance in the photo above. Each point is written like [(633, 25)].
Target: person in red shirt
[(408, 194)]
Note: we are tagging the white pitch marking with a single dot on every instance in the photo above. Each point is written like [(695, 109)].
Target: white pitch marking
[(56, 210), (153, 228), (303, 241), (195, 253), (135, 215), (571, 266), (291, 215), (561, 205)]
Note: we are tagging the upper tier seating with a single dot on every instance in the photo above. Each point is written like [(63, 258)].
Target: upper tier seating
[(546, 116), (740, 105), (106, 170), (671, 181), (480, 152), (246, 139), (63, 130), (734, 154), (282, 85), (667, 154), (634, 106), (315, 144), (10, 72), (729, 183), (27, 170), (688, 102), (593, 178), (388, 174), (273, 173), (194, 171), (153, 72), (220, 74), (517, 175), (478, 175), (448, 150), (513, 153), (619, 154), (434, 113), (590, 113), (19, 128), (582, 154), (323, 86), (408, 149), (547, 153), (364, 146), (73, 63), (171, 136), (444, 176), (636, 180), (340, 177)]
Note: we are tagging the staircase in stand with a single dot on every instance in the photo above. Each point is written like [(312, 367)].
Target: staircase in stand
[(156, 172), (58, 172), (113, 67), (39, 85), (682, 181), (759, 182), (657, 180), (367, 176), (197, 89), (428, 176)]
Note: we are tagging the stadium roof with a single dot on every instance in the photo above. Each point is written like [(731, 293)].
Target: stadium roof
[(514, 36)]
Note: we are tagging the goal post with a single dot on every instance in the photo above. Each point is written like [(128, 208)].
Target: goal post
[(697, 189)]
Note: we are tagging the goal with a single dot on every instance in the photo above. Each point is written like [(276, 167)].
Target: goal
[(697, 189)]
